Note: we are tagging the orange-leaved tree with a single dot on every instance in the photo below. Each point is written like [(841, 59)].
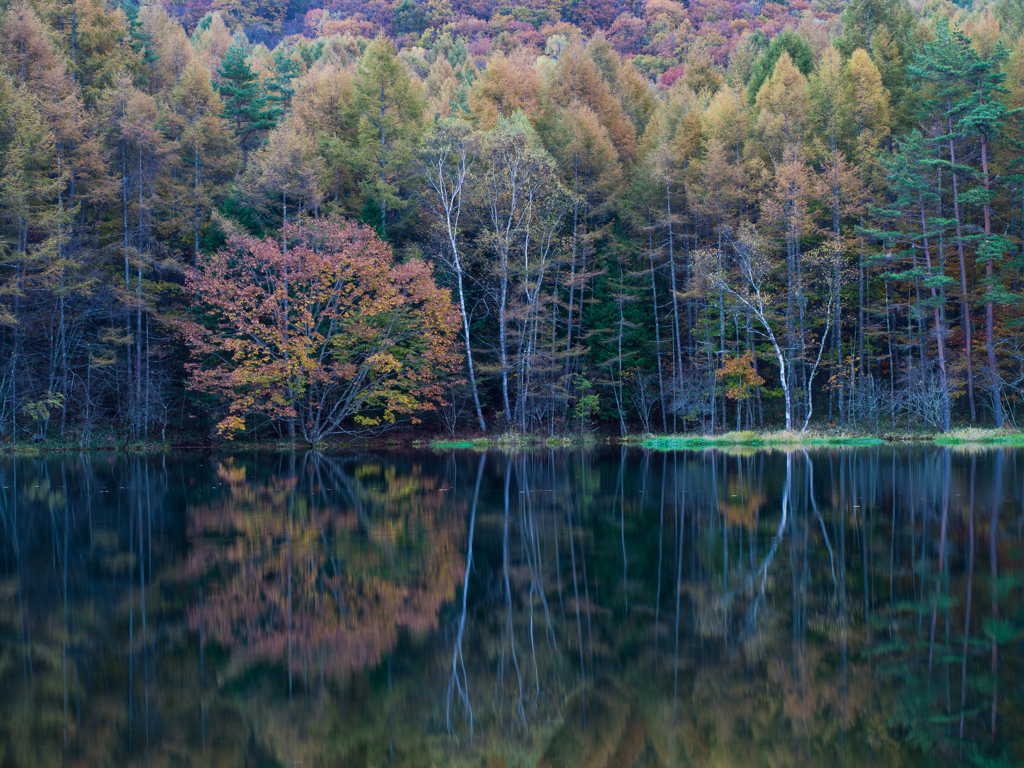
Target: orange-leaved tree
[(319, 329)]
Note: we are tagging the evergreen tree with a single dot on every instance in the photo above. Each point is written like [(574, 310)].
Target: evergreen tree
[(246, 102), (800, 55), (280, 89), (140, 41), (913, 236), (983, 115)]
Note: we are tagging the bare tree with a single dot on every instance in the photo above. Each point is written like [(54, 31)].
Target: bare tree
[(447, 156), (750, 280)]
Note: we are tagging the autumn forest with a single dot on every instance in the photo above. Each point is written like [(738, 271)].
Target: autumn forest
[(263, 221)]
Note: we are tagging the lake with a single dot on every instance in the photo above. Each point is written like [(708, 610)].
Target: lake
[(613, 607)]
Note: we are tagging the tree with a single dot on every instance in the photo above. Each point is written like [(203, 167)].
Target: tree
[(26, 190), (245, 99), (319, 326), (206, 152), (391, 110), (409, 18), (518, 205), (751, 277), (282, 181), (787, 42), (323, 103), (507, 85), (447, 155), (983, 114), (280, 89)]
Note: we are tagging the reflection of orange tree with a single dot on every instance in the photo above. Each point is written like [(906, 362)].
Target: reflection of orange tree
[(293, 573)]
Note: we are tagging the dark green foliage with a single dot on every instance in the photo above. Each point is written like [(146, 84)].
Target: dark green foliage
[(246, 102), (280, 89), (790, 42), (141, 42), (409, 18)]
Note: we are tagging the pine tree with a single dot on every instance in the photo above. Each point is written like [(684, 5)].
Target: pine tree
[(245, 99), (789, 43), (983, 114), (914, 226), (140, 41), (280, 89)]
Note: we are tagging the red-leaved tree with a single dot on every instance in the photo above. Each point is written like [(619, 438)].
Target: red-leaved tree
[(320, 329)]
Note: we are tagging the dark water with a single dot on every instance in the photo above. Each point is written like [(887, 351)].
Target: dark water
[(621, 608)]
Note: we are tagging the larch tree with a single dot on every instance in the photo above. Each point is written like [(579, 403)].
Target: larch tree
[(324, 103), (507, 85), (205, 149), (26, 189), (391, 121), (283, 179)]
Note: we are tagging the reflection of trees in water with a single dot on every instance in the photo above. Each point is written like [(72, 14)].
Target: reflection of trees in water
[(322, 562), (632, 609), (82, 538), (771, 607)]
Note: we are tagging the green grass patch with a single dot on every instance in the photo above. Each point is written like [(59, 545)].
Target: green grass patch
[(976, 435), (746, 438), (449, 444), (513, 441)]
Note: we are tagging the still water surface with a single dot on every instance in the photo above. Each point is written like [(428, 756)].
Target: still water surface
[(552, 608)]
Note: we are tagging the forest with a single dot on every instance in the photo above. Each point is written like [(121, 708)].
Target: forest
[(268, 221)]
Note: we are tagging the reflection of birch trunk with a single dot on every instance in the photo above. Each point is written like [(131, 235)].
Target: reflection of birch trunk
[(536, 570), (817, 512), (26, 657), (458, 663), (579, 623), (661, 530), (528, 541), (508, 595), (64, 636), (142, 592), (776, 541)]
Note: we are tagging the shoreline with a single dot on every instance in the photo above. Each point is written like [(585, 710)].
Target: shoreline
[(514, 441)]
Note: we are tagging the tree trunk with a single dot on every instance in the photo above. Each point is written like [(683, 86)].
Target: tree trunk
[(990, 347), (965, 309), (940, 342)]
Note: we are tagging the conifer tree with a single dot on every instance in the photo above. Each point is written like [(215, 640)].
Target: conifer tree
[(391, 110), (206, 153), (280, 89), (246, 104), (913, 236)]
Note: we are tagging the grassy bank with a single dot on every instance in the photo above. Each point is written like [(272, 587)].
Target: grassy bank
[(966, 436), (513, 441), (974, 435), (766, 439)]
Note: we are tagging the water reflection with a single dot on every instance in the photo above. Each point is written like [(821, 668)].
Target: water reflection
[(613, 608), (319, 561)]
